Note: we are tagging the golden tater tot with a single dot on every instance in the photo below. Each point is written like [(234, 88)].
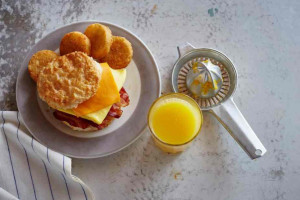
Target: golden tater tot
[(38, 61), (120, 53), (101, 40), (75, 41)]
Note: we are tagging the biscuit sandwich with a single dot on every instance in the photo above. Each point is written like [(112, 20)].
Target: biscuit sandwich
[(86, 95)]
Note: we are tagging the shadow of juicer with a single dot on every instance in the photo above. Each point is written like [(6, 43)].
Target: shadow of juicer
[(210, 77)]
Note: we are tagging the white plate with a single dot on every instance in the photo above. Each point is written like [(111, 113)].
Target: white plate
[(142, 84)]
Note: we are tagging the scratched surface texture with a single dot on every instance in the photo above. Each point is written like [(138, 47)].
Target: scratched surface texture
[(261, 37)]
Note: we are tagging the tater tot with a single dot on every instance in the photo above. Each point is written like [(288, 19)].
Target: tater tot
[(101, 40), (38, 61), (75, 41), (120, 53)]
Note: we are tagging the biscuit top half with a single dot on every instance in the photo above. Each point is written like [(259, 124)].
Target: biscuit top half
[(69, 80)]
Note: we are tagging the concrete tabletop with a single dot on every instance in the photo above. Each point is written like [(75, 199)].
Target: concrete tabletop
[(261, 37)]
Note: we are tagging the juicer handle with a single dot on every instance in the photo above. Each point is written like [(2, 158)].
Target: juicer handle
[(232, 119), (184, 49)]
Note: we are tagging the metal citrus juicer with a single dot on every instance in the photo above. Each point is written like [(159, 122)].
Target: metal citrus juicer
[(209, 77)]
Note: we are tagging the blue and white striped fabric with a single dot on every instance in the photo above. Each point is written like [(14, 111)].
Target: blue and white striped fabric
[(31, 171)]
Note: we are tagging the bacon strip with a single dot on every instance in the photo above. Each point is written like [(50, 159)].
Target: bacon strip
[(72, 120), (124, 98), (114, 112)]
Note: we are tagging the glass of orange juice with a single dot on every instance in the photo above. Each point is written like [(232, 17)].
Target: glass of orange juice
[(174, 120)]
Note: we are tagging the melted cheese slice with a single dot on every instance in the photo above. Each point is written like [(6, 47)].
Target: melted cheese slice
[(107, 94), (98, 116)]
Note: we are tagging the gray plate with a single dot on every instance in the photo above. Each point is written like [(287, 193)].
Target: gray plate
[(132, 126)]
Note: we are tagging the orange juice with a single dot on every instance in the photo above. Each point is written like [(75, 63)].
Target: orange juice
[(175, 120)]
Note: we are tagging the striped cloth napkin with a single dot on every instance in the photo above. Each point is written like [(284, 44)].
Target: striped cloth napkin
[(31, 171)]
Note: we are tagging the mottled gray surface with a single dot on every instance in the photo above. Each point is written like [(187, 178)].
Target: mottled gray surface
[(261, 37)]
